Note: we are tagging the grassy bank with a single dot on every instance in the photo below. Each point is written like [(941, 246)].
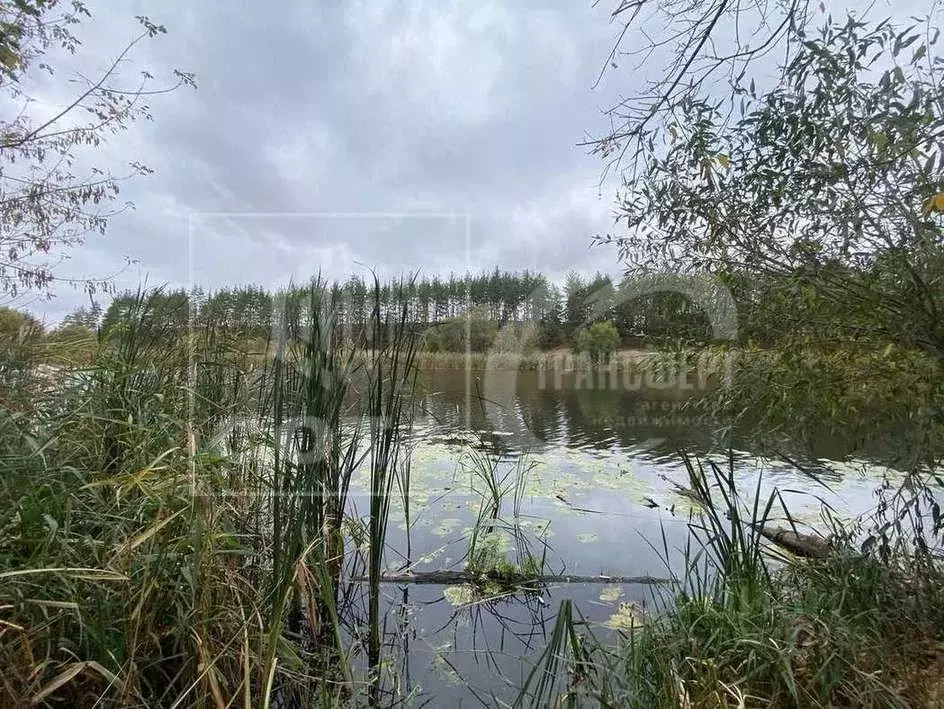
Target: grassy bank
[(171, 513), (629, 360), (529, 361)]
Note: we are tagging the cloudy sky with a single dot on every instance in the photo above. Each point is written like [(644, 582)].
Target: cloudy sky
[(428, 135)]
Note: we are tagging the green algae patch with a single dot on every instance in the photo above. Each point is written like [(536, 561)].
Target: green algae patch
[(611, 594), (460, 595)]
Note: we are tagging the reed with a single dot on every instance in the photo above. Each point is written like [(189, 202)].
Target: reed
[(496, 480), (391, 376)]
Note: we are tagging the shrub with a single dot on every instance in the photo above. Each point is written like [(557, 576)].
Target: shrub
[(599, 341), (19, 335), (17, 327)]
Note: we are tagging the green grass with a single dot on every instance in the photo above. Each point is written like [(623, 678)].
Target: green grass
[(497, 530)]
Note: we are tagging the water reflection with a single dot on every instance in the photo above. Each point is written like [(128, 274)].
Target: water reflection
[(532, 411), (527, 411)]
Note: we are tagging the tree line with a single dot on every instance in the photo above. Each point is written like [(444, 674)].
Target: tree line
[(445, 310), (461, 313)]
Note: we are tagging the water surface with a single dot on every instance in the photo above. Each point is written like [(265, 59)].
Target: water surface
[(599, 497)]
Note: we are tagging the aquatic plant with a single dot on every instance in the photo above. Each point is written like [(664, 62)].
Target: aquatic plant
[(495, 480)]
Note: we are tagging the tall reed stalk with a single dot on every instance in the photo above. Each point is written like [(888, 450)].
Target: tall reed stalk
[(330, 410), (313, 456), (391, 383)]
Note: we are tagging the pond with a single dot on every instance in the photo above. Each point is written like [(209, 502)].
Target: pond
[(595, 468)]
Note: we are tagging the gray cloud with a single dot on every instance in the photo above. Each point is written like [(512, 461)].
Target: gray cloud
[(379, 107)]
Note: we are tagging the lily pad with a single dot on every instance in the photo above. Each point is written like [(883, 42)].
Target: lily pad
[(588, 538), (611, 594), (461, 595), (446, 526)]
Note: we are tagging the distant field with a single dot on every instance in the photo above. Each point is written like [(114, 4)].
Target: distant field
[(560, 358)]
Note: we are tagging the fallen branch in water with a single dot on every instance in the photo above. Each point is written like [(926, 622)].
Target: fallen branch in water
[(456, 577), (806, 545)]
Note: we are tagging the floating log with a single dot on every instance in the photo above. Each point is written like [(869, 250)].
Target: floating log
[(806, 545), (457, 577)]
